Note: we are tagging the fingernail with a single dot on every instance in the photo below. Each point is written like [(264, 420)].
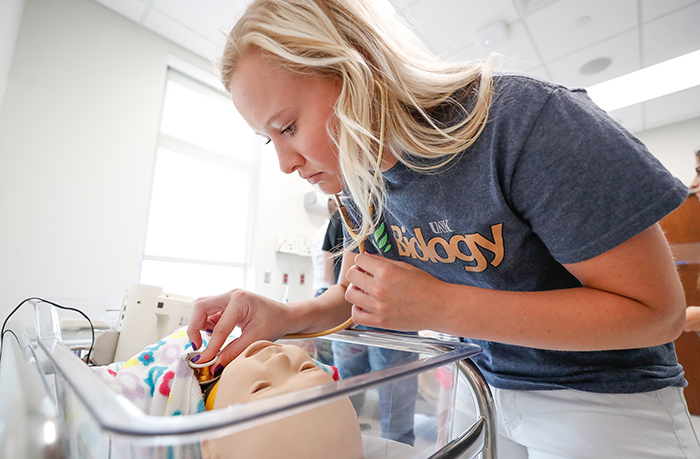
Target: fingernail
[(218, 369), (209, 330), (194, 346), (196, 358)]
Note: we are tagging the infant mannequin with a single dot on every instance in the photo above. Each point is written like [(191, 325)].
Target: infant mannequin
[(266, 369)]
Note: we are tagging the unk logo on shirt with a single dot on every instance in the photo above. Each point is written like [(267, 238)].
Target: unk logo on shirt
[(468, 248)]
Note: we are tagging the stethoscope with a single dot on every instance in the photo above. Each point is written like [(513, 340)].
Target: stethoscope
[(204, 371)]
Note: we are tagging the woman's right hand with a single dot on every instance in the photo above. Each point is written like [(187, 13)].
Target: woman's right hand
[(692, 319), (257, 316)]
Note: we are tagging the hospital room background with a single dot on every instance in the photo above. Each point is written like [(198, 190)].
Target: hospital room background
[(121, 161)]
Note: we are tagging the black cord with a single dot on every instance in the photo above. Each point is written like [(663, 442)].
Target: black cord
[(67, 308)]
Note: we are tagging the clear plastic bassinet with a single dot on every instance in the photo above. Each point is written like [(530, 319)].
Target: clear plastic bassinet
[(54, 406)]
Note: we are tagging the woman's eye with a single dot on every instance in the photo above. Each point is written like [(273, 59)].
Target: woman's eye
[(268, 141), (291, 129)]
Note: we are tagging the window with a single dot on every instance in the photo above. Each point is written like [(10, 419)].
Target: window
[(200, 215)]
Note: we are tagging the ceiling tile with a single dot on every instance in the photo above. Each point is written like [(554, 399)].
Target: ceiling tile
[(671, 36), (178, 33), (448, 25), (402, 3), (652, 9), (131, 9), (569, 25), (517, 54), (673, 108), (206, 17), (566, 70)]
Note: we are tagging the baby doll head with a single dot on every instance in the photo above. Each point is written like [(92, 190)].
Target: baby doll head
[(266, 369)]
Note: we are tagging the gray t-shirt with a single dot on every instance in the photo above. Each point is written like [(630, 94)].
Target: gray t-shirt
[(551, 180)]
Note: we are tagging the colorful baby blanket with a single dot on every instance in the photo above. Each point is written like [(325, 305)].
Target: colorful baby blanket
[(159, 381)]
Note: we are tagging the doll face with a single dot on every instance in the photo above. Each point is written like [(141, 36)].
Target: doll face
[(265, 369), (291, 110)]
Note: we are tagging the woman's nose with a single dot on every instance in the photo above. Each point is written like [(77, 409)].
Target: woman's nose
[(289, 159), (695, 184)]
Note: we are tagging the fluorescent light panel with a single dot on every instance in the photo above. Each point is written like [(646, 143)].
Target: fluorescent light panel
[(648, 83)]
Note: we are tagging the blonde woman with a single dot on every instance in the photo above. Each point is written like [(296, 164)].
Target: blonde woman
[(499, 208)]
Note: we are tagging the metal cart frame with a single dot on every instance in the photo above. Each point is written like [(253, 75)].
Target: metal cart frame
[(31, 425)]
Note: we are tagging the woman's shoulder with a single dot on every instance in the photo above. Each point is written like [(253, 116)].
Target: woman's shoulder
[(521, 87), (523, 97), (524, 81)]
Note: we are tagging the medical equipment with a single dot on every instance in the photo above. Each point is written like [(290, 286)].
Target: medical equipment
[(68, 411), (147, 315), (203, 371)]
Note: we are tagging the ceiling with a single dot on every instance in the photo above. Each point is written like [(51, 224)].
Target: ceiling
[(572, 42)]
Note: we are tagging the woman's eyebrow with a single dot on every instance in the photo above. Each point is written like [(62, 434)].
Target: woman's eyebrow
[(274, 118)]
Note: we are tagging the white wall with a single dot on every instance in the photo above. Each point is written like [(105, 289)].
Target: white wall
[(78, 131), (10, 18), (280, 210), (675, 146)]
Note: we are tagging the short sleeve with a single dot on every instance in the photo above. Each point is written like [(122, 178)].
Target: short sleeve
[(584, 183)]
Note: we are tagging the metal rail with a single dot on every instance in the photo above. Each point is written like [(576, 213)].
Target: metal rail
[(30, 425), (21, 374)]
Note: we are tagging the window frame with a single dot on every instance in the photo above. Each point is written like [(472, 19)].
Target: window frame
[(200, 80)]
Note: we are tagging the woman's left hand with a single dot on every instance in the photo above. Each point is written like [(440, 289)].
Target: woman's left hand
[(391, 294)]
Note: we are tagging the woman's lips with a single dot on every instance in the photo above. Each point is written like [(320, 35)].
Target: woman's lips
[(313, 178)]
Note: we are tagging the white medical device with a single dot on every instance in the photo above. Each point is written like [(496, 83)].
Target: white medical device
[(148, 315)]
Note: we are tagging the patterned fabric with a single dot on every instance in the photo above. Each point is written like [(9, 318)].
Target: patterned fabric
[(159, 381)]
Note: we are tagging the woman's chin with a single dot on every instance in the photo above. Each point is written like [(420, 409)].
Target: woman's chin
[(329, 188)]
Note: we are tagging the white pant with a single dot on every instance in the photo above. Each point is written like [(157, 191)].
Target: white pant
[(576, 424)]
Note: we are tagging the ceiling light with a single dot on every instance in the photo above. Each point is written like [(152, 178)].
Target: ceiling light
[(648, 83), (583, 21), (595, 66), (492, 36)]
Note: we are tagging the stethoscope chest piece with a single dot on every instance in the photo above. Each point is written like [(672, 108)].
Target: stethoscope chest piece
[(204, 371)]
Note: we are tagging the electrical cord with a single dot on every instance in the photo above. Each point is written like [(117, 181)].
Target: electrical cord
[(67, 308)]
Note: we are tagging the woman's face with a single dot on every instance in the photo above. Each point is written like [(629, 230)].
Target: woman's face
[(695, 184), (291, 110)]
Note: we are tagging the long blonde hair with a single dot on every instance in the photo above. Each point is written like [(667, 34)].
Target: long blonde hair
[(378, 59)]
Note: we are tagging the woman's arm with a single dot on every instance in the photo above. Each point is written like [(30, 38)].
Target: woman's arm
[(262, 318), (631, 297)]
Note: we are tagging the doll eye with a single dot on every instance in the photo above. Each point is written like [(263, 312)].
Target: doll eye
[(306, 366), (262, 385)]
